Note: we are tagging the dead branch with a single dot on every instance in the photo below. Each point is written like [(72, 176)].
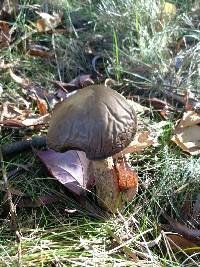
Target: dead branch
[(9, 150)]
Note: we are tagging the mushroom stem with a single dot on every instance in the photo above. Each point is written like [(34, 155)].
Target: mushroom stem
[(115, 183), (107, 189)]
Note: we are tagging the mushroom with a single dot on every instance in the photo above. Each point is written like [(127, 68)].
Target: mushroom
[(98, 121)]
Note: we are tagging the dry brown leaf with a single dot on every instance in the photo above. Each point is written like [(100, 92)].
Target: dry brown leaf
[(186, 133), (26, 122), (188, 139), (42, 106), (11, 123), (18, 79), (190, 118), (36, 121), (37, 50), (182, 229), (48, 22), (141, 141), (179, 242), (13, 112), (5, 37)]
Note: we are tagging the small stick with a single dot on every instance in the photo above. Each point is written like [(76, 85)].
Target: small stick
[(14, 148)]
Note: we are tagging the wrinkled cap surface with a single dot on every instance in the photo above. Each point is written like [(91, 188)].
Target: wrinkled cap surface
[(96, 120)]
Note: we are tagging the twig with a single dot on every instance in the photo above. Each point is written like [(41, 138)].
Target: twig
[(14, 148)]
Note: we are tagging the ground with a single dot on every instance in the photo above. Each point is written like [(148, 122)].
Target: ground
[(143, 49)]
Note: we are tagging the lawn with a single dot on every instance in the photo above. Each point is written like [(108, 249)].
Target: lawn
[(148, 51)]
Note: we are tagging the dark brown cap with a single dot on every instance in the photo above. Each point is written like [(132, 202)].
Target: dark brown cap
[(96, 119)]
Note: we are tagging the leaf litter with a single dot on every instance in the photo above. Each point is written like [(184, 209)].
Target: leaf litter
[(70, 168), (186, 133)]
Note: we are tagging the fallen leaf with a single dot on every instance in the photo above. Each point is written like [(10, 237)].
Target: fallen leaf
[(36, 120), (63, 86), (48, 22), (39, 51), (42, 106), (26, 122), (188, 139), (14, 191), (69, 168), (182, 229), (13, 112), (190, 118), (109, 82), (141, 141), (151, 243), (180, 243), (186, 133), (12, 123), (18, 79), (186, 207)]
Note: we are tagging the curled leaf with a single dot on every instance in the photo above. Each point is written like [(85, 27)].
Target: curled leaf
[(141, 141), (69, 168), (42, 106), (180, 243), (186, 133), (18, 79), (48, 22)]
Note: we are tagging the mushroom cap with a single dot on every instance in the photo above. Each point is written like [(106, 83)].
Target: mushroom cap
[(96, 120)]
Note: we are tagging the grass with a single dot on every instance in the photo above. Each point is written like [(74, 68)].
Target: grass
[(141, 49)]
